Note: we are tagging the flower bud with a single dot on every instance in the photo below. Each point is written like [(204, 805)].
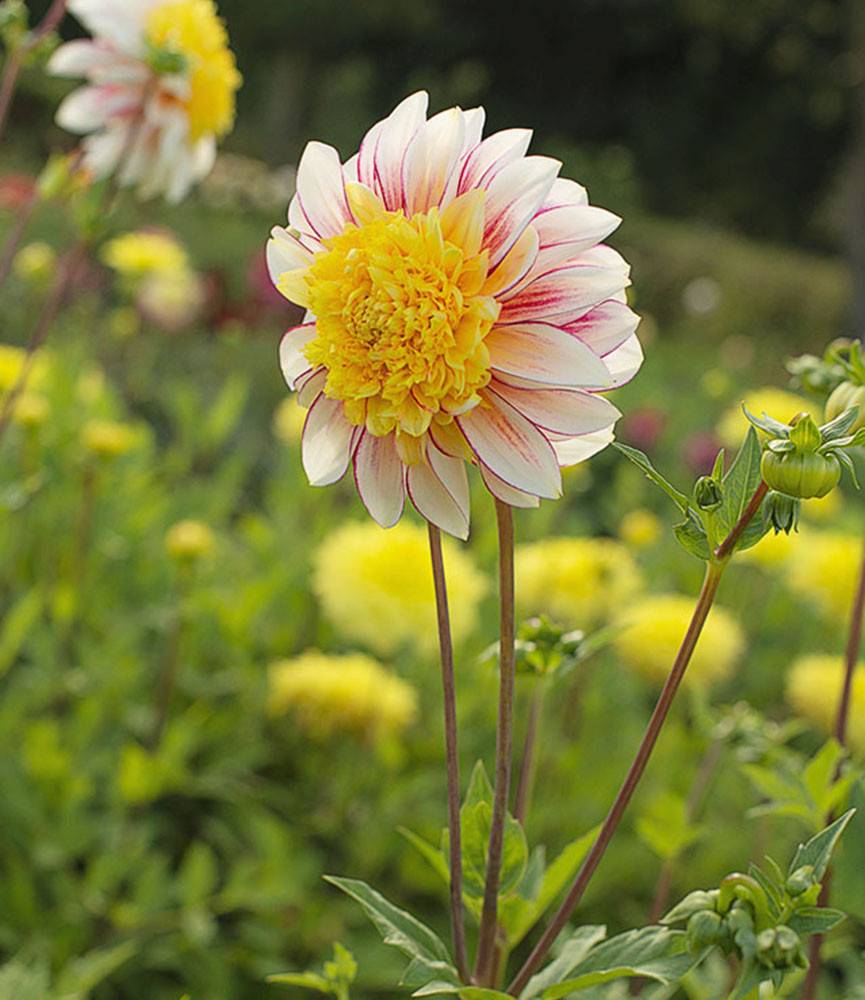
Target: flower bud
[(844, 396), (788, 947), (188, 541), (804, 433), (704, 929), (783, 512), (766, 954), (707, 493), (800, 474), (801, 880)]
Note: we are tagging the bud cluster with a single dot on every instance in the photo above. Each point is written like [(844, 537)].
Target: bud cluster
[(543, 647)]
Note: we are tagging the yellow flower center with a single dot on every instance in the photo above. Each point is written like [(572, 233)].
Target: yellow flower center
[(191, 28), (400, 323)]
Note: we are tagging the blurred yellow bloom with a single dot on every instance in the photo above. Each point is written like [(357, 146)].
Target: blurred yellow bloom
[(109, 439), (654, 627), (188, 540), (772, 550), (288, 420), (824, 569), (376, 586), (341, 694), (141, 775), (31, 410), (778, 403), (824, 508), (91, 385), (11, 362), (35, 262), (579, 582), (136, 255), (814, 690), (715, 383), (640, 528), (172, 300)]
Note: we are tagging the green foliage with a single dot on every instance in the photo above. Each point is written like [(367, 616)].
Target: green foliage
[(338, 975)]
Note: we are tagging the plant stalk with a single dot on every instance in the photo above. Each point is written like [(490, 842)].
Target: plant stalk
[(451, 753), (485, 959), (530, 749)]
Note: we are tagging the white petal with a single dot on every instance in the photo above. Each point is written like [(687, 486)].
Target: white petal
[(566, 293), (625, 361), (491, 156), (379, 476), (292, 360), (391, 146), (433, 501), (326, 442), (85, 109), (321, 190), (563, 411), (432, 159), (119, 21), (82, 58), (309, 385), (605, 327), (578, 449), (285, 253), (581, 226), (546, 354), (506, 493), (566, 192), (474, 121), (513, 197), (511, 446), (452, 473)]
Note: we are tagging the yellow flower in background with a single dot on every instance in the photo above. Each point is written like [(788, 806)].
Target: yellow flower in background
[(189, 540), (171, 300), (814, 687), (640, 528), (12, 361), (31, 410), (341, 694), (653, 629), (579, 582), (35, 262), (772, 550), (822, 509), (715, 383), (288, 420), (109, 439), (825, 570), (376, 586), (778, 403), (146, 252)]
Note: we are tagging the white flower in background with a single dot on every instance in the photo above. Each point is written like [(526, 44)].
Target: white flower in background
[(161, 84), (461, 307)]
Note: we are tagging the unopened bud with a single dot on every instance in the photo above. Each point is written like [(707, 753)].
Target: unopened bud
[(783, 512), (805, 433), (707, 493), (705, 928), (801, 880)]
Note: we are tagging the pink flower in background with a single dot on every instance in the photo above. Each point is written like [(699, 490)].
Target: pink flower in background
[(461, 307), (643, 427)]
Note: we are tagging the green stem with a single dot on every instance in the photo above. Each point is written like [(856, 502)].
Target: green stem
[(485, 959), (451, 753)]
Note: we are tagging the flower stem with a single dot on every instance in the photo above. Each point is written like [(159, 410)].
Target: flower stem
[(714, 572), (527, 766), (851, 658), (484, 961), (451, 753)]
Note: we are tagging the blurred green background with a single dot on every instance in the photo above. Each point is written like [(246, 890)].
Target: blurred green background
[(146, 862)]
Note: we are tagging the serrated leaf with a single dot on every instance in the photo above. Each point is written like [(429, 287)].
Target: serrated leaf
[(570, 954), (397, 927), (642, 462), (815, 919), (480, 789), (651, 952), (818, 850), (740, 483)]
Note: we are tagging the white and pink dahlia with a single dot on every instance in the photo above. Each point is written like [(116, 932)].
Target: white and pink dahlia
[(461, 308), (161, 84)]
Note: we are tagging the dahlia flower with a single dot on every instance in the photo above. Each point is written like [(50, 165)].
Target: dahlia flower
[(824, 570), (461, 308), (161, 83)]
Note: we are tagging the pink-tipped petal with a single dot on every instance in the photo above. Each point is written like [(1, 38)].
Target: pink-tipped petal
[(562, 411), (433, 501), (513, 197), (391, 146), (578, 449), (491, 156), (432, 159), (285, 252), (625, 361), (292, 359), (511, 447), (326, 442), (379, 476), (546, 354), (321, 190), (606, 327), (309, 385), (507, 493)]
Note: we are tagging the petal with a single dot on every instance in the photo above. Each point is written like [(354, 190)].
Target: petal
[(511, 446), (462, 222), (575, 450), (566, 192), (81, 58), (562, 411), (432, 159), (583, 226), (379, 476), (546, 354), (505, 492), (119, 21), (513, 197), (452, 473), (285, 252), (516, 264), (433, 501), (391, 147), (605, 327), (292, 360), (493, 154), (321, 190), (89, 108), (565, 293), (309, 385), (326, 442), (625, 361)]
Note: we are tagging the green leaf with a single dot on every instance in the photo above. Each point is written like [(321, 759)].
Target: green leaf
[(750, 978), (651, 952), (569, 956), (740, 483), (848, 888), (774, 890), (85, 973), (199, 875), (429, 852), (396, 926), (815, 919), (642, 462), (308, 980), (24, 981), (691, 535), (664, 826), (818, 850), (17, 625)]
